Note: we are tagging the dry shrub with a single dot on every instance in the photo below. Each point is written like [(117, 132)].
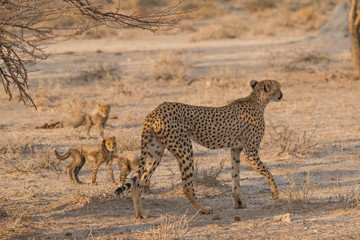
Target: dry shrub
[(223, 77), (126, 143), (100, 32), (169, 227), (208, 177), (203, 9), (170, 67), (291, 142), (99, 73), (17, 149), (26, 158), (302, 61), (146, 4), (45, 160), (80, 197), (11, 223), (301, 193), (310, 17), (352, 199), (228, 27), (259, 5), (3, 212)]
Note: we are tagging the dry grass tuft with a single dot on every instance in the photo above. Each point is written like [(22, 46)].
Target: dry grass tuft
[(259, 5), (208, 177), (25, 158), (99, 73), (301, 193), (45, 160), (80, 197), (126, 143), (17, 149), (352, 199), (169, 227), (228, 27), (291, 142), (170, 66), (3, 212), (301, 61)]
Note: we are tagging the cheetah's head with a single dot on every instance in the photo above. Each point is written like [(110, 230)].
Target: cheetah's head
[(104, 109), (109, 144), (267, 90)]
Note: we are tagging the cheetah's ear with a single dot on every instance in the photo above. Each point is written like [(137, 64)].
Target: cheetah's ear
[(267, 87), (253, 83)]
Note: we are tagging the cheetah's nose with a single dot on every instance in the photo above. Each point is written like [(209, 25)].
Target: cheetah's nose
[(281, 95)]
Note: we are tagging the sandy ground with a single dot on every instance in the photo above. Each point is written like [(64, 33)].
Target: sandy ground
[(311, 145)]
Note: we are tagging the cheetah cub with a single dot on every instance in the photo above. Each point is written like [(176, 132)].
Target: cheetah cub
[(91, 152), (97, 117), (128, 161)]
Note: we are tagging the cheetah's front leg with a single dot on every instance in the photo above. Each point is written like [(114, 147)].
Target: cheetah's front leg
[(253, 159)]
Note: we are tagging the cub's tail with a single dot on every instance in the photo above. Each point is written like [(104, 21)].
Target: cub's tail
[(62, 157), (80, 122)]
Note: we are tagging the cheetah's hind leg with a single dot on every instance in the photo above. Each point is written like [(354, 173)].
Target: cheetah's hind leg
[(185, 161)]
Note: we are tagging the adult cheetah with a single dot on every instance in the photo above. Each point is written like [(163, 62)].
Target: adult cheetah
[(238, 125)]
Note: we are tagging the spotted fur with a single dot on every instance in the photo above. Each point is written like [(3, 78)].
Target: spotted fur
[(97, 118), (237, 126), (95, 153)]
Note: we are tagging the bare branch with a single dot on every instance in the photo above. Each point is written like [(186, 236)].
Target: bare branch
[(27, 24), (167, 17)]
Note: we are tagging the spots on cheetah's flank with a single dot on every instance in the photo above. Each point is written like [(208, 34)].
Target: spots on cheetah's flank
[(241, 123)]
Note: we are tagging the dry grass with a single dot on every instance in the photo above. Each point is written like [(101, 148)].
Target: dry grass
[(170, 66), (98, 73), (352, 199), (292, 142), (45, 160), (259, 5), (208, 177), (300, 193), (227, 27), (169, 227), (26, 158), (128, 143), (80, 197)]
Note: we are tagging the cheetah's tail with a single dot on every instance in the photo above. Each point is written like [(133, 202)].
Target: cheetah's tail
[(135, 179), (62, 157), (146, 135)]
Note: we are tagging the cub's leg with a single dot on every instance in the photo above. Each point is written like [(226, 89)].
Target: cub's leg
[(110, 171), (100, 129), (95, 170), (76, 156), (124, 170), (78, 168), (235, 162), (88, 126)]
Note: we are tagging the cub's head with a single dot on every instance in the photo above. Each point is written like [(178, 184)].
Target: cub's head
[(104, 109), (267, 90), (109, 144)]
